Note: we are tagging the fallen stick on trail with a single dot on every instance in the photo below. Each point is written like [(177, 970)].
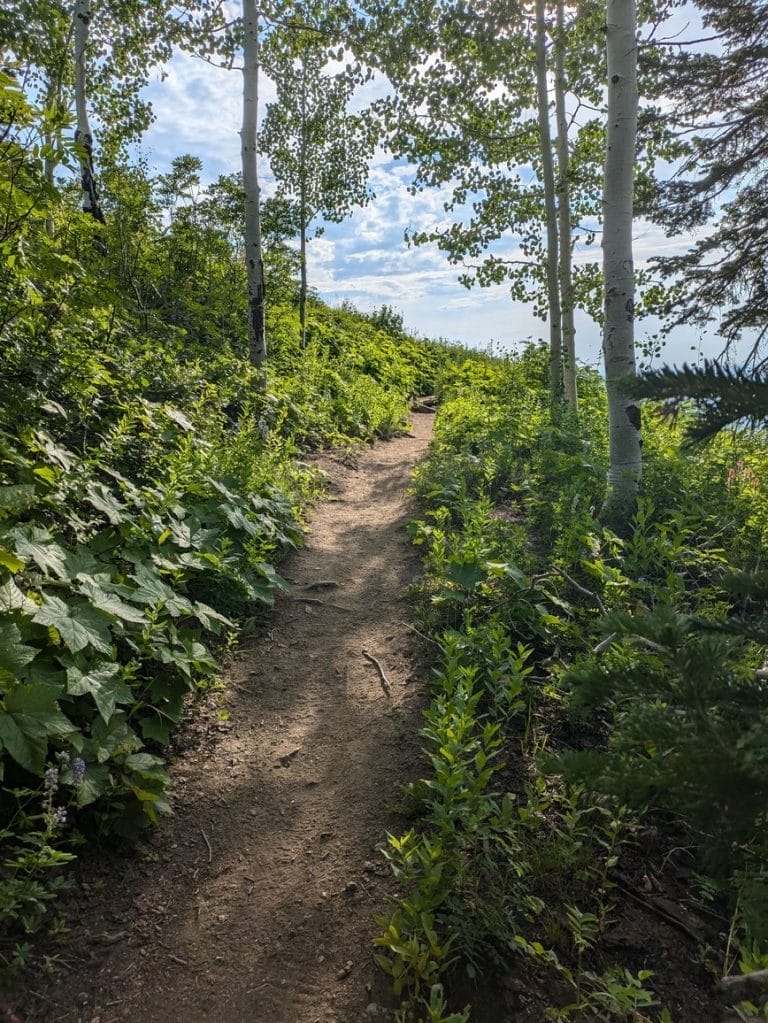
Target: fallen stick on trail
[(323, 603), (385, 683)]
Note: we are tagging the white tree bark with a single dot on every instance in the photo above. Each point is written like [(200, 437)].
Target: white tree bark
[(625, 463), (303, 213), (81, 24), (564, 215), (254, 260), (550, 204)]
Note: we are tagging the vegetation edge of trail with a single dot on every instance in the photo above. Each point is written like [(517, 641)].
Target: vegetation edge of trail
[(572, 719)]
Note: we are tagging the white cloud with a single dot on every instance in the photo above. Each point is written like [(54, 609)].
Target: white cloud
[(365, 259), (198, 110)]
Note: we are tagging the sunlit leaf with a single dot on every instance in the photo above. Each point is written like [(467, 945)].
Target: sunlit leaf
[(78, 623)]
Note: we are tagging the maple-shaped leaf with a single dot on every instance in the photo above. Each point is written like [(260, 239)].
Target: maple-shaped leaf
[(14, 599), (103, 500), (14, 654), (104, 683), (109, 602), (33, 543), (29, 716), (78, 623)]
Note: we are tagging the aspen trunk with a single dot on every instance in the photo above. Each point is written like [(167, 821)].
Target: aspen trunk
[(303, 287), (81, 24), (625, 463), (49, 164), (303, 208), (254, 259), (564, 215), (550, 205)]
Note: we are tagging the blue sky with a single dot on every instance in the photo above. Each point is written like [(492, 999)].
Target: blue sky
[(365, 259)]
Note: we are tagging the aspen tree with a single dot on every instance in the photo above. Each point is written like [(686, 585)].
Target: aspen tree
[(565, 232), (254, 258), (318, 151), (625, 463), (83, 136), (550, 209)]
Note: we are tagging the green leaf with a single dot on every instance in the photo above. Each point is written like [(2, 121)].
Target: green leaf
[(157, 729), (152, 590), (32, 542), (80, 561), (93, 785), (105, 685), (10, 561), (14, 599), (17, 499), (179, 418), (78, 624), (466, 575), (109, 603), (29, 716), (104, 500), (145, 762), (14, 654), (209, 618), (239, 520), (108, 739), (45, 473), (60, 456)]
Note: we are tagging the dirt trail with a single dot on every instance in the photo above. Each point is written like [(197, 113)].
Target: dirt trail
[(255, 903)]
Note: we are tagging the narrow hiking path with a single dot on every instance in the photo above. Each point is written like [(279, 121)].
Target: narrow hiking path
[(255, 902)]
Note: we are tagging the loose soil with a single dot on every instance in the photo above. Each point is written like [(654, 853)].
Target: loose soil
[(255, 902)]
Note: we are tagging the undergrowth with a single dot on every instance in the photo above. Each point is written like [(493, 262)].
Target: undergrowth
[(149, 488), (584, 680)]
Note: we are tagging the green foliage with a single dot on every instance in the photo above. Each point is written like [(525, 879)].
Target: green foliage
[(148, 488), (467, 827), (722, 396), (687, 726), (639, 650)]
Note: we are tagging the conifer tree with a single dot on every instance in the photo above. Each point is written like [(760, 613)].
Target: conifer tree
[(716, 98)]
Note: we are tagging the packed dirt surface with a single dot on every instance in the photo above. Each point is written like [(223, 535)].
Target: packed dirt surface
[(255, 902)]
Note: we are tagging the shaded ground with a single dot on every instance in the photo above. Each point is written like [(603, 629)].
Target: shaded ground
[(255, 903)]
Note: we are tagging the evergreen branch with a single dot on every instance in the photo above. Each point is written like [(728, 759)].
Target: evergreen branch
[(723, 396), (755, 629)]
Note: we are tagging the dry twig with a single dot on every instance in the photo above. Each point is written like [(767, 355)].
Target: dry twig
[(668, 917), (208, 845), (386, 685), (740, 987), (581, 589), (423, 635), (323, 603)]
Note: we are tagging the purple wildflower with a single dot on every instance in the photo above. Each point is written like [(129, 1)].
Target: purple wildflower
[(78, 772), (51, 778), (60, 815)]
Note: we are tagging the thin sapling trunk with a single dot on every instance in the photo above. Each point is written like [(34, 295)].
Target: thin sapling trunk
[(550, 203), (564, 215), (254, 258)]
